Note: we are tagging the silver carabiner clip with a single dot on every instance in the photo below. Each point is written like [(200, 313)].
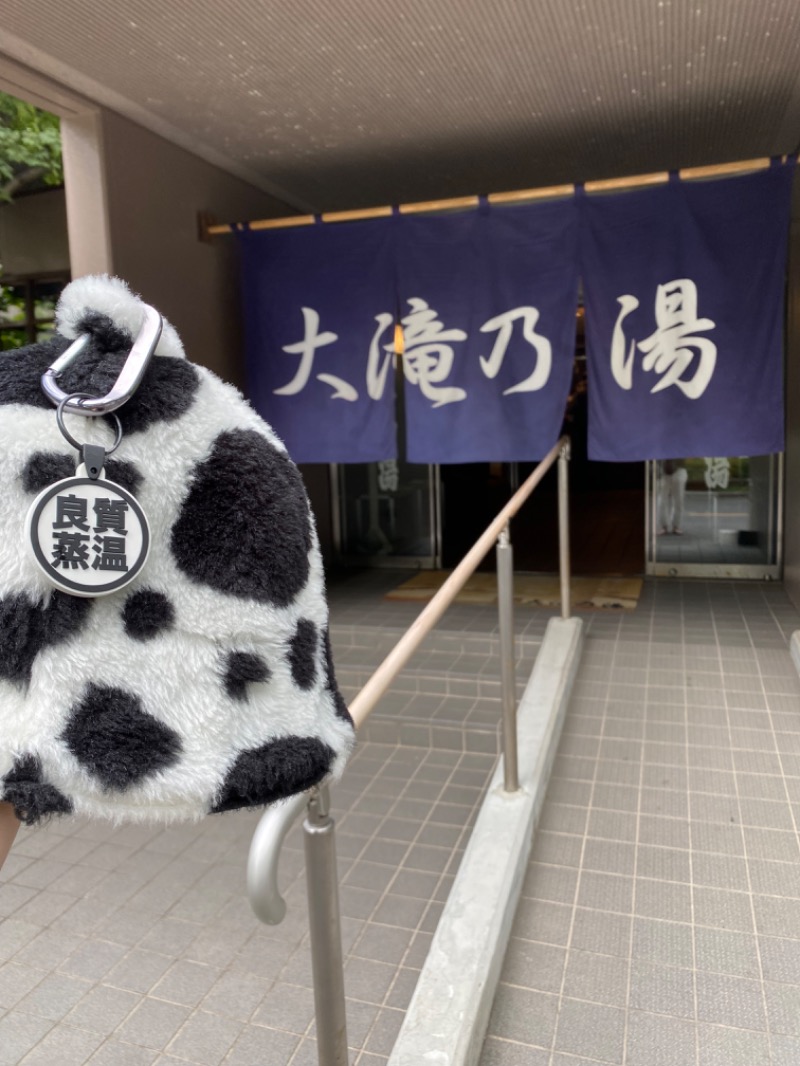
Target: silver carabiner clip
[(127, 383)]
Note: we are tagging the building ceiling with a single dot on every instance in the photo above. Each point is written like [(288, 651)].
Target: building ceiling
[(333, 104)]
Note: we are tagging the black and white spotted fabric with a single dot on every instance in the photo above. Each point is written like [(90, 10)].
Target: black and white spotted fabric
[(206, 684)]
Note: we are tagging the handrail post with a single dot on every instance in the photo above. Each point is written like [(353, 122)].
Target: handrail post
[(327, 963), (505, 602), (563, 527)]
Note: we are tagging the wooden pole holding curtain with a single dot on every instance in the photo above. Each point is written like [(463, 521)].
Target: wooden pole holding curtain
[(518, 196)]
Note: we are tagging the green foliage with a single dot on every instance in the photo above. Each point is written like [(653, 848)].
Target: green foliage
[(30, 147), (5, 297), (12, 311), (12, 338)]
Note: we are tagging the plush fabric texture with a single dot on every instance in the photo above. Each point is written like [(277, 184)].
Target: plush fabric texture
[(43, 468), (245, 527), (32, 798), (274, 771), (146, 613), (242, 667), (206, 684), (303, 653)]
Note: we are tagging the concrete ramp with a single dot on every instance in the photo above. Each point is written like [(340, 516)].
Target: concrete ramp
[(447, 1018)]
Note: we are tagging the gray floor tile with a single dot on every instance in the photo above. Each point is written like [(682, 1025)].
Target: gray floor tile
[(185, 983), (605, 892), (612, 825), (54, 997), (598, 978), (603, 932), (525, 1016), (93, 959), (19, 1034), (139, 970), (785, 1050), (663, 943), (543, 920), (16, 981), (117, 1053), (235, 995), (783, 1008), (557, 849), (657, 1040), (722, 951), (102, 1009), (663, 899), (384, 1031), (723, 909), (730, 1001), (775, 878), (609, 856), (661, 990), (15, 933), (534, 965), (775, 916), (589, 1029), (732, 1047), (504, 1053), (205, 1038), (66, 1046), (48, 950), (368, 981), (153, 1023), (258, 1046), (288, 1007), (720, 871), (553, 883)]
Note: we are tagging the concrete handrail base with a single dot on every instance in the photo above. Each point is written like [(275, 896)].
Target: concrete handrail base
[(446, 1021)]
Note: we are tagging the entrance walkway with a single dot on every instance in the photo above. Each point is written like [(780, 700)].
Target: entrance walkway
[(660, 918), (136, 947)]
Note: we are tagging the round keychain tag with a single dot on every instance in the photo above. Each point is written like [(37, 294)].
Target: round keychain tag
[(88, 536)]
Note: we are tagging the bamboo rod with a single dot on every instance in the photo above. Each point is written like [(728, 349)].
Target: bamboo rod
[(517, 196), (367, 699), (525, 196), (424, 206), (356, 215), (660, 177), (721, 169), (271, 223)]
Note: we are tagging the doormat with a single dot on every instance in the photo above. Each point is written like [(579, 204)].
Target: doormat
[(532, 590)]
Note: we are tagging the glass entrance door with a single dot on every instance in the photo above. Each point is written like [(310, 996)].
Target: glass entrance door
[(388, 514), (715, 517)]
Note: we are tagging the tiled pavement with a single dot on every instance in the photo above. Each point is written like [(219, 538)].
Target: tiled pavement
[(660, 918), (136, 946)]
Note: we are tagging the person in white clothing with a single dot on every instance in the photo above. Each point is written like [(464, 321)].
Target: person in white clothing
[(673, 490)]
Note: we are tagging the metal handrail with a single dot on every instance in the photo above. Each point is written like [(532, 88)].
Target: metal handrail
[(367, 699), (321, 882), (262, 867), (262, 862)]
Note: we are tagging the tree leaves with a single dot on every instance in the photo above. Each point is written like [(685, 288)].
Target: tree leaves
[(30, 147)]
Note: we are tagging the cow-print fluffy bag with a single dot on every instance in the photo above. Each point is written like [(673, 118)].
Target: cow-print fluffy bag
[(206, 684)]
